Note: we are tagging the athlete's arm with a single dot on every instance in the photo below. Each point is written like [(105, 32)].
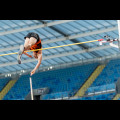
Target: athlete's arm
[(39, 61), (38, 64), (27, 54)]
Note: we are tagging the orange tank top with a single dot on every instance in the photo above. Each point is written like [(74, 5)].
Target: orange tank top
[(37, 45)]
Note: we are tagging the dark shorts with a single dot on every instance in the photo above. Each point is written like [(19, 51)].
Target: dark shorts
[(32, 34)]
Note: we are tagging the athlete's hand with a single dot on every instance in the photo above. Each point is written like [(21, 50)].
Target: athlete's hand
[(33, 72)]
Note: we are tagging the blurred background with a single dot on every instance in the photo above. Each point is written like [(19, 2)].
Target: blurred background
[(80, 72)]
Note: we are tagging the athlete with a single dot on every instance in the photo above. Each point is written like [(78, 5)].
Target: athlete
[(32, 42)]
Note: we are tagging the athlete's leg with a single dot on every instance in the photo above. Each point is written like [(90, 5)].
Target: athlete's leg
[(26, 43), (29, 43)]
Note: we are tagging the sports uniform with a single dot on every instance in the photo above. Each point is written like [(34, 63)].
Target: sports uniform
[(38, 44)]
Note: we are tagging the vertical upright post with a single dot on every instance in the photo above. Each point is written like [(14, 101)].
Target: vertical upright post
[(31, 88), (118, 33)]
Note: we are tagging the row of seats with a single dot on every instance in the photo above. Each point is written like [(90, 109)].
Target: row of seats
[(3, 82), (69, 79), (107, 78), (64, 81), (108, 96), (58, 95), (101, 88)]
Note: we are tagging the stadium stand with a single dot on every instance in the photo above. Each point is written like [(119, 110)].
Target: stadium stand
[(69, 79), (65, 82)]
